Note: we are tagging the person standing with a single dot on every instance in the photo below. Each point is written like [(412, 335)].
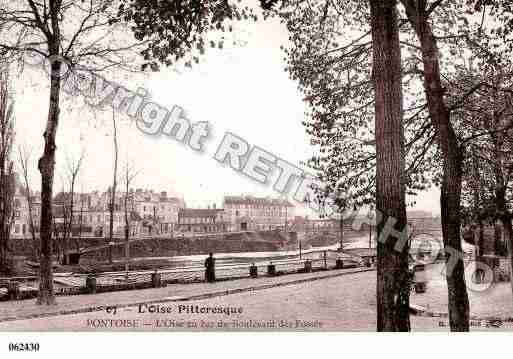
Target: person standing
[(210, 270)]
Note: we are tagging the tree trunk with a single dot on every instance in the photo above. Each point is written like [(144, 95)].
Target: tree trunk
[(392, 266), (7, 189), (450, 210), (114, 184), (477, 191), (71, 219), (46, 167), (508, 236), (7, 185), (505, 217), (452, 173), (28, 197), (68, 227), (127, 225), (501, 208), (127, 243), (32, 229), (77, 241)]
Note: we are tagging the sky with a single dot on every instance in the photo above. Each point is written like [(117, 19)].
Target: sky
[(242, 89)]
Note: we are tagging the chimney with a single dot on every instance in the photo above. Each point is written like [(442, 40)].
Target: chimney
[(214, 206)]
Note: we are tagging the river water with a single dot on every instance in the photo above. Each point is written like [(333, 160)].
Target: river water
[(357, 242)]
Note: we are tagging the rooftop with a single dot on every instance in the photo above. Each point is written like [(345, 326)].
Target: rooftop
[(267, 201), (198, 212)]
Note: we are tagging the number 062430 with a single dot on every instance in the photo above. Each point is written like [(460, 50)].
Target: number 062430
[(23, 347)]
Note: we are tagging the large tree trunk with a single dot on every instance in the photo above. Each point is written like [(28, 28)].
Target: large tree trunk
[(450, 210), (392, 268), (46, 167), (452, 173)]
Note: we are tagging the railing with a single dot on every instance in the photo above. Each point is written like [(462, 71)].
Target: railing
[(75, 283)]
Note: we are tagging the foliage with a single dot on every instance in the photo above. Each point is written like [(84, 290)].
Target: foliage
[(330, 57), (181, 29)]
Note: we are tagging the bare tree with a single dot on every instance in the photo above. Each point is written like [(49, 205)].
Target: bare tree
[(73, 34), (129, 176), (24, 160), (72, 169), (7, 177), (59, 228), (80, 220), (112, 203)]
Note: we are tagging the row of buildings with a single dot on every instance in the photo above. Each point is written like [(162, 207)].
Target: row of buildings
[(156, 213), (148, 213)]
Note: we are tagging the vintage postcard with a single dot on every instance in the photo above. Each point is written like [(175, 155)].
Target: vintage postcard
[(255, 166)]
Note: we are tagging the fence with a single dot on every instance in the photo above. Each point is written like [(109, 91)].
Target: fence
[(71, 283)]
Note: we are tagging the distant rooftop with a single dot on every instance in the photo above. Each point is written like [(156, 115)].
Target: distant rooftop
[(198, 212), (257, 200)]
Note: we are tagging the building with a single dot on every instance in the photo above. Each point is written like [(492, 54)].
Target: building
[(152, 213), (96, 222), (21, 218), (201, 220), (158, 211), (248, 213)]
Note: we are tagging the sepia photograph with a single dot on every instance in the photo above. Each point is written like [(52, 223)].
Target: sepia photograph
[(255, 166)]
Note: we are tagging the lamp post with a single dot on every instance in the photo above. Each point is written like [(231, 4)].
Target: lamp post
[(154, 216), (341, 233), (371, 217), (286, 212), (370, 236)]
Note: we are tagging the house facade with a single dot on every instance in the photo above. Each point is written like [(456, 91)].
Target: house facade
[(191, 220), (248, 213), (149, 212)]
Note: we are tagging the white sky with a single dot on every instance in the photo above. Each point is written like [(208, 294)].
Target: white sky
[(243, 89)]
